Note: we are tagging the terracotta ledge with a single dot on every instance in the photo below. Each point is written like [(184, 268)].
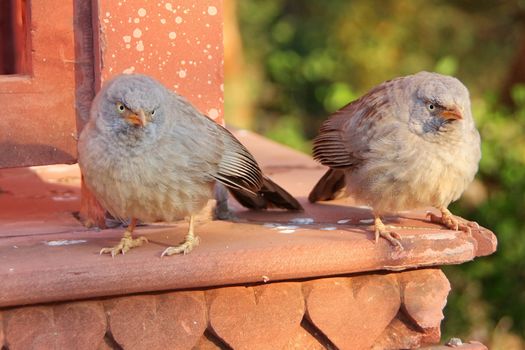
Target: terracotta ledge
[(46, 255), (397, 310)]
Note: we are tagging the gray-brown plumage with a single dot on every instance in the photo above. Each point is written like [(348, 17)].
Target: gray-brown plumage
[(147, 154), (409, 142)]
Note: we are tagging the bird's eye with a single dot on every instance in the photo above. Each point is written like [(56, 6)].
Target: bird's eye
[(431, 106), (152, 113), (120, 107)]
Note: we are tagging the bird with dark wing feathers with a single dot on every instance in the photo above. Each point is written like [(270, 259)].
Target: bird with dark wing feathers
[(147, 154), (409, 142)]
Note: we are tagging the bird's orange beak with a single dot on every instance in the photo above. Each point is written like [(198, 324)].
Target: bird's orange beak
[(137, 119), (452, 114)]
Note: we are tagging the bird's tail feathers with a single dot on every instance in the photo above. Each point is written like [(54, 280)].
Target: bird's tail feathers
[(331, 186), (270, 196)]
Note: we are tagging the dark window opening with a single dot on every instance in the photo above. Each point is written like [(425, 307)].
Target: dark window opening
[(14, 37)]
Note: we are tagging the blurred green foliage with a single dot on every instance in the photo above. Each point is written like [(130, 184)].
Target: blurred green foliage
[(312, 57)]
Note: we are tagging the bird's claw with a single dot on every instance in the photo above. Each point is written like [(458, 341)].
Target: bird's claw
[(452, 223), (447, 220), (393, 237), (125, 244), (183, 248)]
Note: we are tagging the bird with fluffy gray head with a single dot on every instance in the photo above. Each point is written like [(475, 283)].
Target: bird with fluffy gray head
[(409, 142), (147, 154)]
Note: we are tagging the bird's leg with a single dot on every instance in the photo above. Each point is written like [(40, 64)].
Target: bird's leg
[(451, 222), (380, 230), (126, 243), (190, 242)]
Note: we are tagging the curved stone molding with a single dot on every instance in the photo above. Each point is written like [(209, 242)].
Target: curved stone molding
[(398, 310)]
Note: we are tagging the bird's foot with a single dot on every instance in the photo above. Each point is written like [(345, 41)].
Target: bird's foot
[(451, 222), (184, 248), (391, 236), (125, 244)]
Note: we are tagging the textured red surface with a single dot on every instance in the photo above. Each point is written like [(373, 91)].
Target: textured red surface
[(178, 42)]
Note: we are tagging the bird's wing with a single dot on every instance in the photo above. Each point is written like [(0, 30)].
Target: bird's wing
[(237, 168), (208, 150), (342, 139)]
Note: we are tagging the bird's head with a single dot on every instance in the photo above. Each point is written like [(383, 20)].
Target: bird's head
[(131, 104), (440, 105)]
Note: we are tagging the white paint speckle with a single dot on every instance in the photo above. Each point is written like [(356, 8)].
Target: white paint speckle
[(128, 46), (142, 12), (461, 250), (178, 19), (137, 33), (287, 227), (163, 20), (140, 46), (213, 113), (265, 278), (366, 221), (129, 70), (435, 236), (345, 221), (222, 87), (108, 14), (182, 73), (11, 269), (126, 38), (168, 6), (172, 35), (302, 221), (328, 228), (136, 20), (212, 10), (65, 242), (270, 225), (286, 231)]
